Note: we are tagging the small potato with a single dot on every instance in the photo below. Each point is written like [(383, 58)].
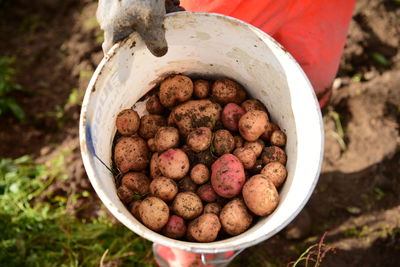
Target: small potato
[(205, 228), (153, 105), (230, 116), (253, 124), (187, 205), (225, 91), (227, 176), (278, 138), (154, 169), (154, 213), (257, 146), (223, 142), (173, 163), (175, 227), (149, 125), (273, 153), (246, 156), (207, 193), (134, 208), (276, 172), (137, 182), (187, 185), (152, 145), (238, 141), (260, 195), (200, 174), (201, 89), (253, 104), (196, 113), (127, 122), (125, 194), (199, 139), (271, 127), (166, 137), (131, 153), (212, 208), (163, 188), (175, 89), (235, 218)]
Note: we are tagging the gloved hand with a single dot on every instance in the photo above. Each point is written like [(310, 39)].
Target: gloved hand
[(120, 18)]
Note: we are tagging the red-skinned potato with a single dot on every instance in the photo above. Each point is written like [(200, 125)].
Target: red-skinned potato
[(154, 213), (253, 124), (175, 227), (173, 163), (273, 153), (227, 176), (212, 208), (205, 228), (127, 122), (226, 91), (253, 104), (149, 125), (163, 188), (270, 128), (260, 195), (207, 193), (175, 89), (131, 153), (200, 174), (199, 139), (235, 218), (188, 205), (276, 172), (137, 182), (153, 105), (231, 115), (278, 138), (201, 89), (257, 146), (223, 142), (165, 138), (246, 156)]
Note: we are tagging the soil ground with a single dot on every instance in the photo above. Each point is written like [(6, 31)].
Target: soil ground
[(57, 45)]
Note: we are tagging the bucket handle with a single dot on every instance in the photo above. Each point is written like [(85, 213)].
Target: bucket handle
[(205, 261)]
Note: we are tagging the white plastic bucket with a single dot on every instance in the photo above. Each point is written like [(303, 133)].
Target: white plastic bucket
[(207, 45)]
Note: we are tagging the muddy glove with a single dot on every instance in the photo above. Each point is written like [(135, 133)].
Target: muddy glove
[(120, 18)]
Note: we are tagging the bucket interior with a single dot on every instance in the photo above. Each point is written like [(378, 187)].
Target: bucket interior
[(206, 45)]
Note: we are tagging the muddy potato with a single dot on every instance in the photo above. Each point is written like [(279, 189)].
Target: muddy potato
[(273, 153), (270, 128), (194, 114), (205, 228), (154, 213), (276, 172), (187, 205), (207, 193), (199, 139), (235, 218), (175, 227), (187, 185), (201, 89), (226, 91), (154, 169), (257, 146), (166, 137), (246, 156), (137, 182), (230, 116), (151, 144), (204, 157), (212, 208), (173, 163), (131, 153), (253, 104), (223, 142), (278, 138), (200, 174), (238, 141), (175, 89), (125, 194), (149, 125), (134, 208), (127, 122), (163, 188), (253, 124), (260, 195), (153, 105)]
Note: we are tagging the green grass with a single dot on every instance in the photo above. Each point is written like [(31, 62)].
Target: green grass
[(36, 233)]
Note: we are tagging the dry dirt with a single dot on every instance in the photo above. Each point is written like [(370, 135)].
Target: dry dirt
[(58, 45)]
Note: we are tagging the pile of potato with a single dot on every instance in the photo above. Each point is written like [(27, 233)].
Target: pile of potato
[(203, 164)]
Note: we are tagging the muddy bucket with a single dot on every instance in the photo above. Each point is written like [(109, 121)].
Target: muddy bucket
[(208, 45)]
